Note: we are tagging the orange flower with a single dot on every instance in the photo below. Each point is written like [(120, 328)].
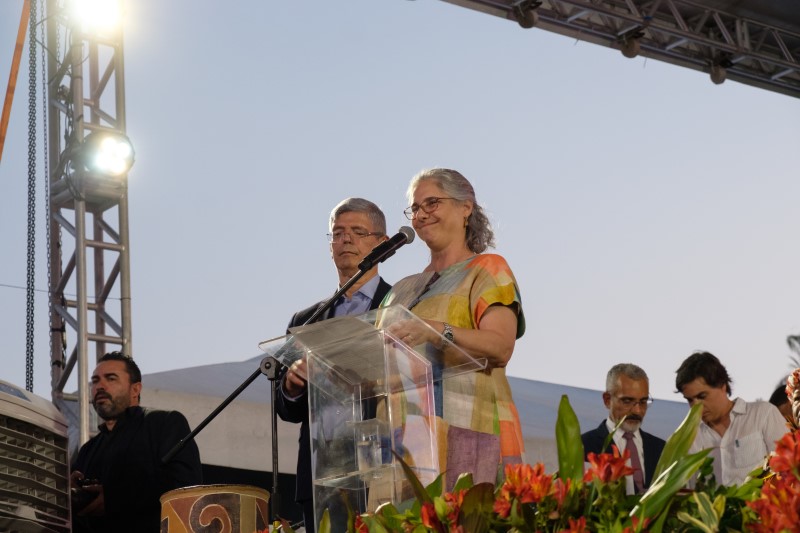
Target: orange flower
[(560, 491), (576, 526), (429, 519), (502, 507), (606, 467), (524, 483), (454, 502), (635, 525), (786, 457), (779, 506)]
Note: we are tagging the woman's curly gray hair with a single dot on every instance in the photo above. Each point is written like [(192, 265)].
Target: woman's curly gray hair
[(479, 231)]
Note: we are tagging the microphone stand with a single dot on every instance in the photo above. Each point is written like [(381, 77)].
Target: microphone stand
[(272, 369)]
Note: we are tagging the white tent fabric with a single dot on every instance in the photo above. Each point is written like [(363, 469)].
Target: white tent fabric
[(240, 437)]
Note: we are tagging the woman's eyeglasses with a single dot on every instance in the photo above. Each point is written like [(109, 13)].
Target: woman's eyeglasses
[(428, 205)]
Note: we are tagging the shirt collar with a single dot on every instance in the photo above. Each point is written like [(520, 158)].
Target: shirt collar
[(368, 289), (129, 413), (739, 406)]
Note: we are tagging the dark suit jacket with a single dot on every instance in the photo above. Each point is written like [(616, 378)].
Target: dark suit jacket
[(297, 411), (653, 446)]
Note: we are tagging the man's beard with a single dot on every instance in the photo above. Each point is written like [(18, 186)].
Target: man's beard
[(631, 425), (111, 409)]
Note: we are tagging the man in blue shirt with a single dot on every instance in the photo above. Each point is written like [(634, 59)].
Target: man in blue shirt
[(356, 227)]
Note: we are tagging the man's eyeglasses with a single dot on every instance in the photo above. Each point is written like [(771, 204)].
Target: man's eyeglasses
[(428, 205), (627, 402), (356, 234)]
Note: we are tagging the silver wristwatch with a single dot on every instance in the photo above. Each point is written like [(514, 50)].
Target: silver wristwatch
[(447, 333)]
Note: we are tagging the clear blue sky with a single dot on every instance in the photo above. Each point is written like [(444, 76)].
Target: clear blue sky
[(646, 212)]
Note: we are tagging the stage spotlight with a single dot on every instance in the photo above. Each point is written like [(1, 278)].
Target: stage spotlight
[(630, 48), (97, 15), (718, 74), (524, 12), (109, 154)]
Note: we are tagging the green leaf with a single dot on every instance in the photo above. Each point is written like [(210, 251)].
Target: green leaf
[(479, 498), (440, 506), (463, 482), (705, 510), (373, 525), (389, 517), (419, 491), (719, 506), (678, 444), (658, 525), (474, 522), (325, 523), (568, 443), (665, 486), (683, 516), (747, 491), (435, 488)]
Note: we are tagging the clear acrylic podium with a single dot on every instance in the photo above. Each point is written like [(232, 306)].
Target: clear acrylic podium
[(369, 394)]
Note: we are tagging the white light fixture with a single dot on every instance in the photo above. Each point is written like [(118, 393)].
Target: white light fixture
[(106, 154), (97, 16)]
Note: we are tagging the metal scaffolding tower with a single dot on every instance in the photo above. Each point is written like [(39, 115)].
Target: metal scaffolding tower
[(89, 268)]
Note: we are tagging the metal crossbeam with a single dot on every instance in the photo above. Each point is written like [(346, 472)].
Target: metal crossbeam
[(703, 36)]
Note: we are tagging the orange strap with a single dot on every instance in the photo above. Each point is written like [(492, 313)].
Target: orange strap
[(12, 78)]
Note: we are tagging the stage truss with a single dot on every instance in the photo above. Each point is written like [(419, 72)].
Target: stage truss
[(756, 42)]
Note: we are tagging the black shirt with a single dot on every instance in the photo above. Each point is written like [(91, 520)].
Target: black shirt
[(127, 462)]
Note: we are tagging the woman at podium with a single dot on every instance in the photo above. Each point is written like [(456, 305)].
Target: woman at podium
[(470, 298)]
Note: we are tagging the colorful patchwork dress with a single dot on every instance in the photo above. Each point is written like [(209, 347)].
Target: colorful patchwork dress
[(481, 429)]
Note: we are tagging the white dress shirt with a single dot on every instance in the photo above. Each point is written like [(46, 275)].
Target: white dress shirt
[(619, 440), (751, 436)]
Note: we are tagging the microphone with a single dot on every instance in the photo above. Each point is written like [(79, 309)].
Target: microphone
[(387, 248)]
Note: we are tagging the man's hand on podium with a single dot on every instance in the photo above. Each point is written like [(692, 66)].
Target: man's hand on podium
[(294, 384)]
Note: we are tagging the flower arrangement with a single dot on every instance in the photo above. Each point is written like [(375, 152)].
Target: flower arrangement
[(579, 499)]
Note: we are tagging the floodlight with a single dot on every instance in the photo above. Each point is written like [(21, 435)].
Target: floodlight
[(106, 153), (97, 15)]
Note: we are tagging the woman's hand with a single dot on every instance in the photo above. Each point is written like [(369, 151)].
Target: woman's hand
[(494, 339), (414, 332)]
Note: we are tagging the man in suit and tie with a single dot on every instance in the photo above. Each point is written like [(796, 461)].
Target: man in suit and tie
[(356, 227), (627, 396)]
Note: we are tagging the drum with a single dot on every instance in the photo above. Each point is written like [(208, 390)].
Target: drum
[(215, 509)]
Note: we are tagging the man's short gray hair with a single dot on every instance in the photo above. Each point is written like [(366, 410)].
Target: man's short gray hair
[(629, 370), (360, 205)]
